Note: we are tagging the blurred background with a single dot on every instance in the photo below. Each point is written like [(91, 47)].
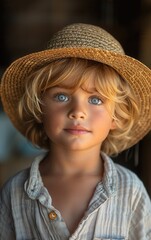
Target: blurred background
[(26, 27)]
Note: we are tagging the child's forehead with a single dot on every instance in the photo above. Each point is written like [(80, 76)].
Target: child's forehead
[(84, 87), (85, 82)]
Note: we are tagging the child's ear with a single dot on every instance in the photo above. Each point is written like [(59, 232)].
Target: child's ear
[(113, 125)]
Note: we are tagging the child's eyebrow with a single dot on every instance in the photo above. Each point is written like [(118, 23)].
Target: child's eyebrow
[(90, 90), (63, 86)]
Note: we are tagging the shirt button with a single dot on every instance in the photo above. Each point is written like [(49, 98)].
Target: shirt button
[(52, 215)]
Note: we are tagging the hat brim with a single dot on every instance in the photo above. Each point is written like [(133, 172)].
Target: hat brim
[(134, 72)]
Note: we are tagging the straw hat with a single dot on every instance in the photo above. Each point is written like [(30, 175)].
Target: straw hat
[(88, 42)]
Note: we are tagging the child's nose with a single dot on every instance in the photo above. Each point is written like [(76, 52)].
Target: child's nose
[(78, 111), (77, 115)]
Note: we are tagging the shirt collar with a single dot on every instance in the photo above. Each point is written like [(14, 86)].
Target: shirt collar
[(110, 174), (34, 186), (106, 188)]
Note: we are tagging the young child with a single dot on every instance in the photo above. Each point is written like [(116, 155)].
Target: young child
[(83, 100)]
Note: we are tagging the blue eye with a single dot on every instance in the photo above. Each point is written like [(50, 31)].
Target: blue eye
[(61, 97), (95, 100)]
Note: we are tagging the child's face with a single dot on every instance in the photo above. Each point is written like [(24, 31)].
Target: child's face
[(76, 120)]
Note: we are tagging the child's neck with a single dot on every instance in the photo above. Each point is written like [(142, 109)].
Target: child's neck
[(72, 163)]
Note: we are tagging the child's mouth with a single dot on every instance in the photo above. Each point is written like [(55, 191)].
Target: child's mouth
[(77, 130)]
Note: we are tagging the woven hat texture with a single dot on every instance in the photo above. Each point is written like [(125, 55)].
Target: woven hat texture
[(88, 42)]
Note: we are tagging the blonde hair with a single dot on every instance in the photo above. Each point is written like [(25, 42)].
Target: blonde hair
[(108, 83)]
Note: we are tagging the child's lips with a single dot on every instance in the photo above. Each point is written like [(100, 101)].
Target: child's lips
[(77, 130)]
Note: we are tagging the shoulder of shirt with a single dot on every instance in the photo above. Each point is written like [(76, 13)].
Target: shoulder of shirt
[(130, 187), (126, 179), (16, 181), (125, 183)]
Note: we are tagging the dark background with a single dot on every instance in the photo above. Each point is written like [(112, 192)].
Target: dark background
[(26, 27)]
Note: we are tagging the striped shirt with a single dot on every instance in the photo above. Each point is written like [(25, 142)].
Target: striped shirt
[(119, 209)]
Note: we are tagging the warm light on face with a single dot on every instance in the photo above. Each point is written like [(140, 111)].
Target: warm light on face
[(76, 119)]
